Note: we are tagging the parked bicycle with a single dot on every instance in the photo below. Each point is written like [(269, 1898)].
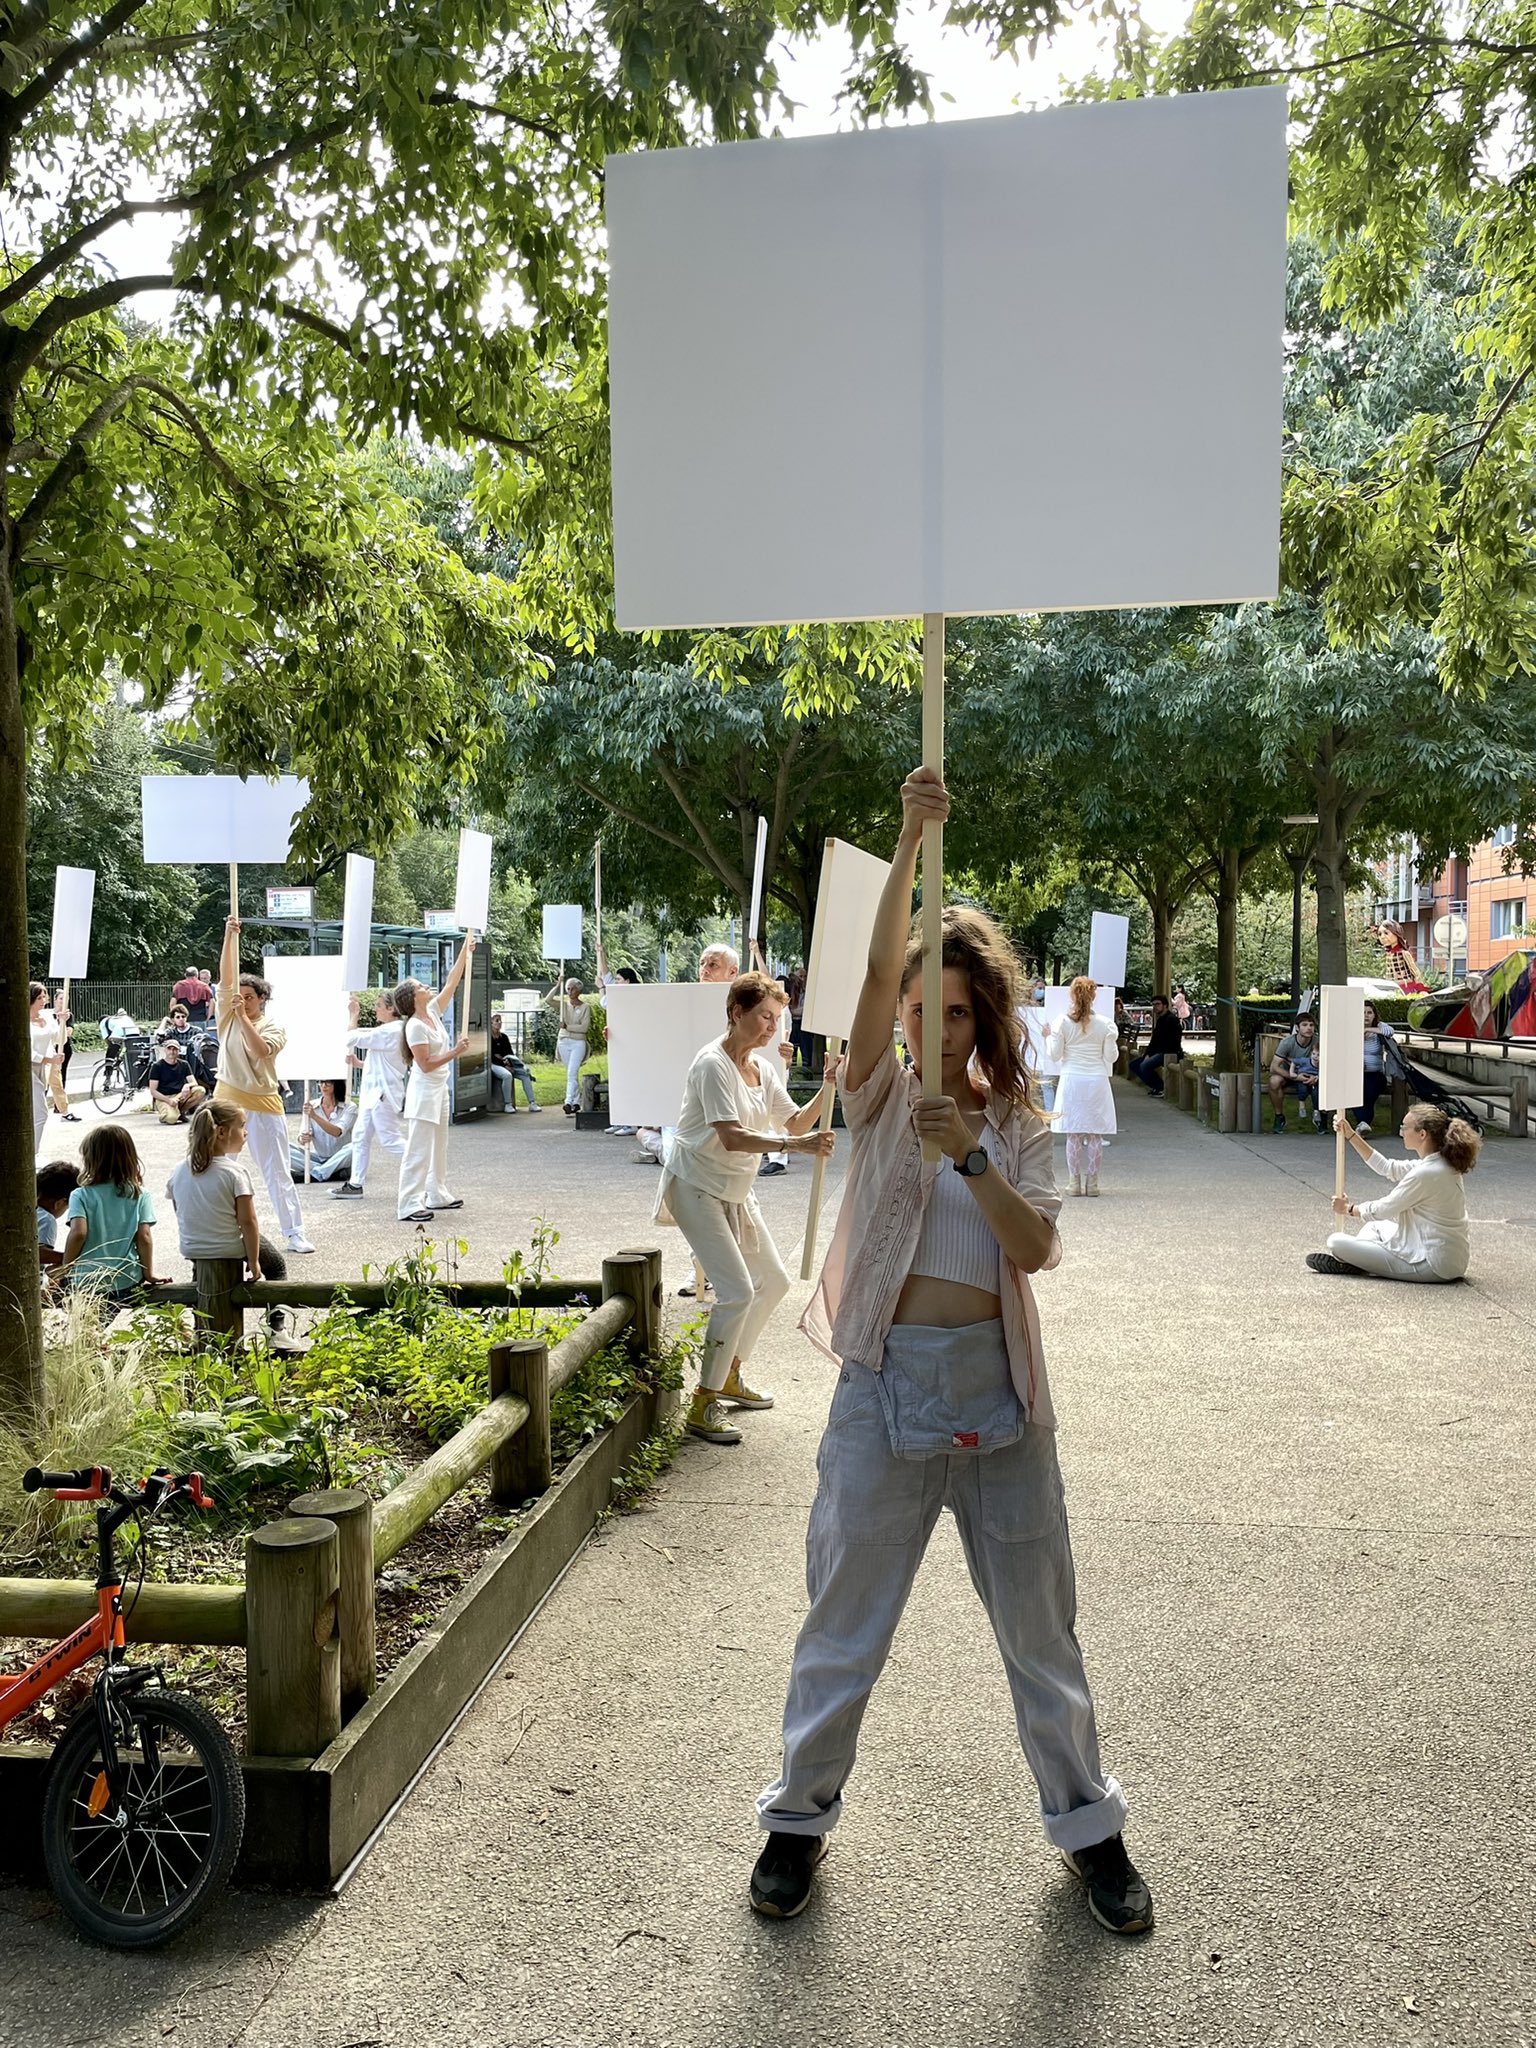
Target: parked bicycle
[(123, 1068), (145, 1804)]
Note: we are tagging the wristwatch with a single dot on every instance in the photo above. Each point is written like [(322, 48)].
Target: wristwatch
[(972, 1164)]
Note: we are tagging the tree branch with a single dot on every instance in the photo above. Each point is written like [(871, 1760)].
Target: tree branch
[(728, 876), (454, 99), (72, 54), (26, 344), (633, 818)]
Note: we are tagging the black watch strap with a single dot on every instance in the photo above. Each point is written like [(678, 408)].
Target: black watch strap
[(973, 1164)]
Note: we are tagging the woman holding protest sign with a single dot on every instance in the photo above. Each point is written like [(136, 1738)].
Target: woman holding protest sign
[(423, 1187)]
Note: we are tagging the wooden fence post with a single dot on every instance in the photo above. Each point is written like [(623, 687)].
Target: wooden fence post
[(1399, 1102), (522, 1467), (215, 1316), (350, 1509), (292, 1650), (638, 1274)]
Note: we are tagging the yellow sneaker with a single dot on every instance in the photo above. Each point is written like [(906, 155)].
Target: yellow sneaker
[(739, 1395), (706, 1418)]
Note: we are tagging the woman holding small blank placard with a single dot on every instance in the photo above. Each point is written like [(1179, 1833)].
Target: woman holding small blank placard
[(1418, 1231), (423, 1188), (1086, 1047), (941, 1399), (249, 1043), (735, 1105), (571, 1047)]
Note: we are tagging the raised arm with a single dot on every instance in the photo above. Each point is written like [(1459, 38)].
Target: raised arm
[(229, 960), (459, 965), (923, 796)]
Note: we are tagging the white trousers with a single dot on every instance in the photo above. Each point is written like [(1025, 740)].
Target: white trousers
[(378, 1122), (749, 1279), (266, 1137), (423, 1169), (1376, 1255), (573, 1051), (870, 1524), (39, 1112)]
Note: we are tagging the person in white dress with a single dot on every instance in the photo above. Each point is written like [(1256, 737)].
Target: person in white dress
[(1417, 1231), (44, 1051), (423, 1186), (380, 1093), (1086, 1047)]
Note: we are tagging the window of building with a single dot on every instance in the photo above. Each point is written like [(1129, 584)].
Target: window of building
[(1507, 917), (1504, 836)]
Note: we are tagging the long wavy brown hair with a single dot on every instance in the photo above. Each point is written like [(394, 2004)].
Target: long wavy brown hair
[(974, 945)]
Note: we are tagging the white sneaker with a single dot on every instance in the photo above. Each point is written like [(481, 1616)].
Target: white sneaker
[(1092, 1185), (298, 1242)]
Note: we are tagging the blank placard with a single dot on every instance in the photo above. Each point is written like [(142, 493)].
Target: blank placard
[(1108, 937), (1341, 1049), (754, 926), (654, 1031), (846, 902), (74, 894), (357, 921), (1036, 1024), (472, 895), (1024, 364), (309, 1001), (562, 931), (208, 818)]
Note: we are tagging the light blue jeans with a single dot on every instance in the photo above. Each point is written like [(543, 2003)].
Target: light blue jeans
[(870, 1523)]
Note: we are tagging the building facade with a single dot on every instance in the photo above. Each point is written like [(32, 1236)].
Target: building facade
[(1467, 918)]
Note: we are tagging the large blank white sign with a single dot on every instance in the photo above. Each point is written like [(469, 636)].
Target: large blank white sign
[(191, 818), (74, 894), (1108, 934), (1023, 364), (654, 1031), (1341, 1049), (357, 921), (846, 902), (309, 1000), (472, 895), (562, 931)]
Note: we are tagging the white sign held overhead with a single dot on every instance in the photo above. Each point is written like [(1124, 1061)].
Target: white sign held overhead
[(654, 1031), (846, 901), (472, 894), (562, 931), (1108, 937), (754, 919), (1341, 1049), (224, 818), (357, 921), (805, 295), (74, 895), (309, 1001)]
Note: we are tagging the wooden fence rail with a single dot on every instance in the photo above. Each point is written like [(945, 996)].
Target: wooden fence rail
[(160, 1614)]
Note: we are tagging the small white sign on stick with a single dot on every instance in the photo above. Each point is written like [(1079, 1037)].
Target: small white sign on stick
[(655, 1030), (1341, 1049), (357, 921), (562, 933), (309, 1001), (1108, 936), (74, 894), (846, 902), (207, 818), (472, 895)]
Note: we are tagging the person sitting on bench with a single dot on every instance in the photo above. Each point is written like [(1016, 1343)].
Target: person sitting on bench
[(1166, 1043), (1295, 1066)]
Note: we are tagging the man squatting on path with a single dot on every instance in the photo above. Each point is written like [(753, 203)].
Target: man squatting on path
[(941, 1400)]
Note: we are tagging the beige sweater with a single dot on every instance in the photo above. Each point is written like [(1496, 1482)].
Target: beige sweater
[(247, 1082)]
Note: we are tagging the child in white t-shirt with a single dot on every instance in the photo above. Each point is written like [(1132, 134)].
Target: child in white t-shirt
[(211, 1191)]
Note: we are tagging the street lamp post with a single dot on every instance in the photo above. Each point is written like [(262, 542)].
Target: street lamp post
[(1299, 859)]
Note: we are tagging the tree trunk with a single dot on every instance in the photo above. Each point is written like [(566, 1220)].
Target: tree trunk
[(1332, 921), (21, 1335), (1229, 882), (1162, 943)]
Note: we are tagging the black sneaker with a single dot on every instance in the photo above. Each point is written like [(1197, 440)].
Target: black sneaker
[(347, 1188), (1278, 1125), (781, 1877), (1117, 1894), (1325, 1262)]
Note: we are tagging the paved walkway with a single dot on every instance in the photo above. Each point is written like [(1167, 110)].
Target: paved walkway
[(1303, 1519)]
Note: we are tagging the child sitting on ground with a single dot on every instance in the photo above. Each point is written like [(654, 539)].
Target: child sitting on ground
[(213, 1199), (56, 1182), (111, 1240)]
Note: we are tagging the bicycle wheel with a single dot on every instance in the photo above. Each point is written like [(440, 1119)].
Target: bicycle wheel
[(134, 1877), (109, 1085)]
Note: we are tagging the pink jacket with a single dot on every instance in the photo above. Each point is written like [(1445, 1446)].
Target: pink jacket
[(882, 1217)]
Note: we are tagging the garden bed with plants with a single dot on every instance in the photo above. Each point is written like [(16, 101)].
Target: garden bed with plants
[(373, 1393)]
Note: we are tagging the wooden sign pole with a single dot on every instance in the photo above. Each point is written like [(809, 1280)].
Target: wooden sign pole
[(818, 1174), (1342, 1144), (234, 888), (597, 893), (933, 872)]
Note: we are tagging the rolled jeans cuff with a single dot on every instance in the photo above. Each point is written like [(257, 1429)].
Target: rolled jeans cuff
[(1082, 1826)]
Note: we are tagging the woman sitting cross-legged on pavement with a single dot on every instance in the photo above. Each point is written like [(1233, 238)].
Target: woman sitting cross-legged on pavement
[(735, 1106), (1086, 1047), (1419, 1230), (941, 1400)]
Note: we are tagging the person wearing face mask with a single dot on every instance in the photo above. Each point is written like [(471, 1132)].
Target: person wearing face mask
[(735, 1109)]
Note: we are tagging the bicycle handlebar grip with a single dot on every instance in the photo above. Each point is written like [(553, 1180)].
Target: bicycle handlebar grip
[(87, 1484)]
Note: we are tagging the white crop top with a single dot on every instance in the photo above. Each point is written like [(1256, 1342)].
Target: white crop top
[(956, 1242)]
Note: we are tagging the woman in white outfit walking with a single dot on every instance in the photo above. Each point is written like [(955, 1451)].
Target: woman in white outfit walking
[(423, 1187), (734, 1106), (1086, 1047), (248, 1047), (1419, 1230), (380, 1093)]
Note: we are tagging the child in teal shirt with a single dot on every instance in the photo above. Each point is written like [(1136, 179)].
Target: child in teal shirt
[(110, 1243)]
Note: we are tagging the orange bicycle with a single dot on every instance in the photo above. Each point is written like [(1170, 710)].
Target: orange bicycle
[(145, 1805)]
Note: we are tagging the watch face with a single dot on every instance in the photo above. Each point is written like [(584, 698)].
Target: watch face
[(975, 1162)]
